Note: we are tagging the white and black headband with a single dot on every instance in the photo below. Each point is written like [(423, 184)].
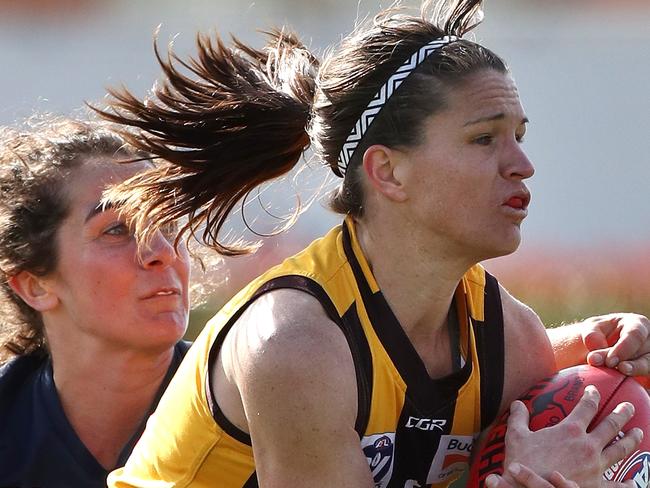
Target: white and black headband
[(381, 98)]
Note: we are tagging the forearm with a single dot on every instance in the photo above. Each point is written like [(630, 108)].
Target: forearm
[(568, 346)]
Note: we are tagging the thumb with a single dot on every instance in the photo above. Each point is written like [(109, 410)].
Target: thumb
[(596, 357), (519, 417)]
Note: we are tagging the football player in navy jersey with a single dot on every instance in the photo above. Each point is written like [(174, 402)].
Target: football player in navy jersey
[(91, 330)]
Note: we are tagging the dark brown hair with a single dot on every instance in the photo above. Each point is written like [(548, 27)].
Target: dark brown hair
[(245, 116), (35, 163), (366, 59), (240, 123)]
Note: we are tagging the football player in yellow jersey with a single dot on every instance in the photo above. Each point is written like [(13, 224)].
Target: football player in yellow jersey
[(376, 356)]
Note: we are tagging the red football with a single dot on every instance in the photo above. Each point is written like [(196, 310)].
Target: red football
[(550, 400)]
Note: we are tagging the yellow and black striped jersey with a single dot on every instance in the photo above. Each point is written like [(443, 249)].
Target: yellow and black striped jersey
[(415, 431)]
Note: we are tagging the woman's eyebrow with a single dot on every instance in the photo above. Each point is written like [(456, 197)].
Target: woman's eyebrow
[(491, 118), (98, 208)]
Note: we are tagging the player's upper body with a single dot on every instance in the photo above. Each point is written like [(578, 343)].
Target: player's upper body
[(408, 427), (38, 445), (425, 130), (91, 328)]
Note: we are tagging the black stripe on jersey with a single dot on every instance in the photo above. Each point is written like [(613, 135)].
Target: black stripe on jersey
[(421, 432), (221, 420), (430, 395), (351, 329), (491, 354), (252, 481), (362, 365)]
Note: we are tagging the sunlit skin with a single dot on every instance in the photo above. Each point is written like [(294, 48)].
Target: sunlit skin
[(105, 293), (464, 191), (459, 196), (133, 303), (112, 316)]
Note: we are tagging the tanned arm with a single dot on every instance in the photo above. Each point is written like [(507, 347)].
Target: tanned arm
[(293, 371)]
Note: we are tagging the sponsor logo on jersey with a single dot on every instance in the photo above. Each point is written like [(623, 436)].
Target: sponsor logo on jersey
[(412, 484), (425, 424), (379, 450), (451, 459)]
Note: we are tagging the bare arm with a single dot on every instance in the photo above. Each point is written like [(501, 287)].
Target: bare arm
[(294, 373), (568, 345), (528, 353), (617, 340)]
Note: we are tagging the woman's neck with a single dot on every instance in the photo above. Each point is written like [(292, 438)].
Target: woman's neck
[(105, 396), (418, 281)]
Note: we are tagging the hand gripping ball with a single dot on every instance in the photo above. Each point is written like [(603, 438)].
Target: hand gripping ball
[(551, 400)]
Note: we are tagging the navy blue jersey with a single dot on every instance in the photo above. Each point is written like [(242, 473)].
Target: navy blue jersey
[(38, 446)]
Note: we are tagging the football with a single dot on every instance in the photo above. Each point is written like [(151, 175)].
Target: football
[(551, 400)]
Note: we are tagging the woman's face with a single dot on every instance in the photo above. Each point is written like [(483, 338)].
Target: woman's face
[(465, 179), (104, 291)]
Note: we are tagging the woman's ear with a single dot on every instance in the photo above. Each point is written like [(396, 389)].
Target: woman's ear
[(34, 291), (380, 164)]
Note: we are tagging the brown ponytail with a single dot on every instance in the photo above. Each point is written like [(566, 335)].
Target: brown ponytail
[(239, 121), (244, 120)]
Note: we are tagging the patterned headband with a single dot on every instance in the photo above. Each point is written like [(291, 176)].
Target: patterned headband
[(381, 98)]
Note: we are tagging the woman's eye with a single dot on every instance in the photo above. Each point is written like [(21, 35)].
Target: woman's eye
[(484, 140), (118, 230), (520, 138)]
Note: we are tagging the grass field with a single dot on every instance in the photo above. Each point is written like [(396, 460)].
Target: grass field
[(565, 285)]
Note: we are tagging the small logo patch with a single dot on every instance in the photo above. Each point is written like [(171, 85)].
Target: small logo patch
[(425, 424), (451, 459), (379, 450)]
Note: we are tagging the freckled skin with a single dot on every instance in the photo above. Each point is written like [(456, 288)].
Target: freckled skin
[(466, 168), (99, 281)]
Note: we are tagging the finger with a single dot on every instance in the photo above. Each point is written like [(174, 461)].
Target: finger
[(630, 343), (597, 338), (586, 409), (616, 484), (518, 420), (623, 447), (526, 477), (496, 481), (596, 357), (639, 366), (608, 428), (560, 481)]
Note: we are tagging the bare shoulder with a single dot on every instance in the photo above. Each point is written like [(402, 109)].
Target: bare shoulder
[(294, 372), (285, 326), (528, 353), (285, 338)]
